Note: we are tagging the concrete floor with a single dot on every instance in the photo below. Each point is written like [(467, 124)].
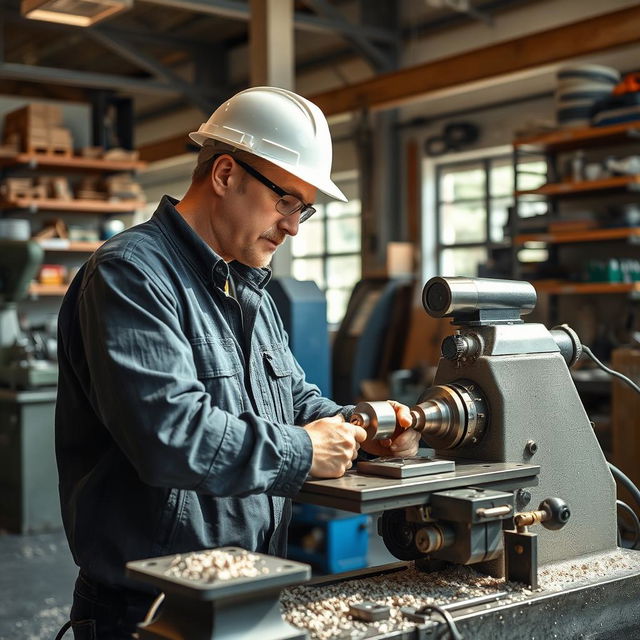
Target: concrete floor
[(37, 575)]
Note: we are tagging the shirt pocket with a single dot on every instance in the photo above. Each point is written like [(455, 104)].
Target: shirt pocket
[(219, 369), (278, 368)]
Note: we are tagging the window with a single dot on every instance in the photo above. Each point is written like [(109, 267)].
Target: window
[(472, 209), (327, 251)]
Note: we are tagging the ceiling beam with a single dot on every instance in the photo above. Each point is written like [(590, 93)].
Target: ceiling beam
[(600, 33), (240, 11), (153, 67), (379, 60), (573, 40), (30, 73)]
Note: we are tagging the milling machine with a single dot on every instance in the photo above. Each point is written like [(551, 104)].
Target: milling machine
[(513, 447)]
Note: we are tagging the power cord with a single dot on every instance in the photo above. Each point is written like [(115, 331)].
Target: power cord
[(636, 523), (611, 372), (448, 619), (617, 473)]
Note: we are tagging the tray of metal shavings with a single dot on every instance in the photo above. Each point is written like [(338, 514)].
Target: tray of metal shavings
[(410, 467), (218, 573)]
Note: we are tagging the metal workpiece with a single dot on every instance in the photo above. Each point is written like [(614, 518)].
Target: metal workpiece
[(451, 415), (377, 418), (247, 606), (466, 298), (361, 493)]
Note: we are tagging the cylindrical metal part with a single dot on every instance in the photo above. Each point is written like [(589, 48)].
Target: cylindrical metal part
[(446, 296), (451, 415), (529, 518), (433, 537), (377, 418), (461, 347), (568, 342)]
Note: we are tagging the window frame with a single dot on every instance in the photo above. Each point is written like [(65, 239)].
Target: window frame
[(430, 240), (326, 255)]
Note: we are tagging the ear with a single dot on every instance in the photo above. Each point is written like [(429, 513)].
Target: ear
[(222, 174)]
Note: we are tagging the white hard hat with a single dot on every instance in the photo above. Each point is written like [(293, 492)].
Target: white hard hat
[(279, 126)]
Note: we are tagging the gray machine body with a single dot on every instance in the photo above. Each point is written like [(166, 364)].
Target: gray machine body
[(532, 397)]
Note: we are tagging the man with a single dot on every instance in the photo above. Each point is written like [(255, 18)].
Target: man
[(178, 394)]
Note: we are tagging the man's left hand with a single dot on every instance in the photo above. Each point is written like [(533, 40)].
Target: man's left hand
[(404, 442)]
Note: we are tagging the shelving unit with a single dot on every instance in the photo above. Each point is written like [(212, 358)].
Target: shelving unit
[(631, 183), (74, 163), (593, 235), (29, 163), (556, 192), (70, 206)]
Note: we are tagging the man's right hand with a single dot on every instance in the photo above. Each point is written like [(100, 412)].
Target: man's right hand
[(335, 446)]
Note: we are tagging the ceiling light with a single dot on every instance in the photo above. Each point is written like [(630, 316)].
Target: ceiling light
[(81, 13)]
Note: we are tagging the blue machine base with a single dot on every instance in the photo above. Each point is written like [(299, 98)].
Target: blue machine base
[(344, 538)]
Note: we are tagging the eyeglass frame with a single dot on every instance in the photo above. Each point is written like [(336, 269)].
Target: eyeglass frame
[(306, 210)]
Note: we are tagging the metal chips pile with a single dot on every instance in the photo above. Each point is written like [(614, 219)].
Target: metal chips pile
[(214, 565), (324, 609)]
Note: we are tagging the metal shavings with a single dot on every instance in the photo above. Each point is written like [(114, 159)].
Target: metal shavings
[(216, 565), (324, 609)]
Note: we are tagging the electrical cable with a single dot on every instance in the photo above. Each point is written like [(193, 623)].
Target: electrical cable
[(65, 628), (448, 618), (635, 520), (611, 372), (153, 609), (626, 482)]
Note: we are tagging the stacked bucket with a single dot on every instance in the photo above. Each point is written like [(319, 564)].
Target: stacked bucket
[(580, 88)]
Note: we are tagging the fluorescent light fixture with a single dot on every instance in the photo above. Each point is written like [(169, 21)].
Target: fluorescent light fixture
[(80, 13)]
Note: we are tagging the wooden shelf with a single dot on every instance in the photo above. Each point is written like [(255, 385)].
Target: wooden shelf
[(569, 188), (567, 139), (67, 246), (591, 235), (560, 286), (77, 163), (37, 289), (71, 206)]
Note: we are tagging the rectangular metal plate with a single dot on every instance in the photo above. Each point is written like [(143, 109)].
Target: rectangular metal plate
[(278, 572), (362, 493), (404, 467)]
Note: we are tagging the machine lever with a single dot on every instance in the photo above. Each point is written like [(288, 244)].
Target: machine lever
[(494, 512)]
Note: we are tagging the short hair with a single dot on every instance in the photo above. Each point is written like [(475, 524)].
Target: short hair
[(208, 153)]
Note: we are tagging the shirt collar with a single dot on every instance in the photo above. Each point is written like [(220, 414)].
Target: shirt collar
[(202, 257)]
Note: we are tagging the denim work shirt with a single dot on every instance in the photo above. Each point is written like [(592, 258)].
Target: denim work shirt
[(176, 404)]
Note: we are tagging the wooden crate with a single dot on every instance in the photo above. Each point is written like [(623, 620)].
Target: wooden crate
[(625, 414)]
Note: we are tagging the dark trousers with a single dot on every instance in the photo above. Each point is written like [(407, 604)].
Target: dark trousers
[(103, 613)]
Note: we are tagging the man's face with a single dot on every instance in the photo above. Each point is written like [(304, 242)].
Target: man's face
[(252, 229)]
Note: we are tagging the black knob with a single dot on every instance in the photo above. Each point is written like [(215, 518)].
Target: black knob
[(558, 511), (454, 347)]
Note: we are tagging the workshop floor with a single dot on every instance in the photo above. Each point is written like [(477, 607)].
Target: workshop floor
[(36, 581), (37, 575)]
